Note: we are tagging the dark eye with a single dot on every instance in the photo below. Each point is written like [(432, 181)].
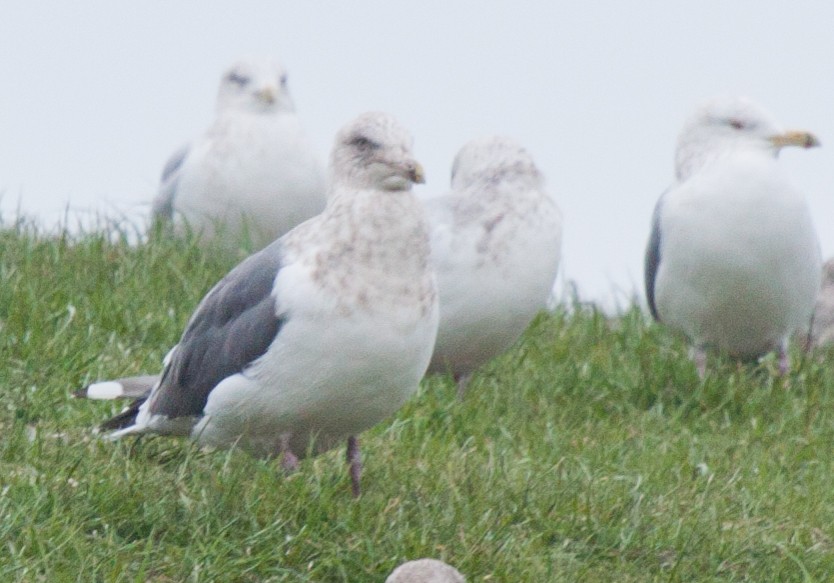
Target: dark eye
[(283, 80), (238, 79), (363, 143), (736, 124)]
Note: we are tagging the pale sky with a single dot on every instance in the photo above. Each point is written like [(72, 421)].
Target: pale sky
[(94, 96)]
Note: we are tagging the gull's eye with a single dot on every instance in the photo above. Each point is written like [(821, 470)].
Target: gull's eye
[(736, 124), (283, 80), (363, 143), (238, 79)]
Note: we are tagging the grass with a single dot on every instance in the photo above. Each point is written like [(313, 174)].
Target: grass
[(591, 452)]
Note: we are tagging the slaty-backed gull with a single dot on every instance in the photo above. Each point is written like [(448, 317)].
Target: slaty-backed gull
[(320, 335)]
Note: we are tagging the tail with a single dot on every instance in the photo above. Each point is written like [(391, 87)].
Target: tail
[(137, 388), (125, 422), (127, 388)]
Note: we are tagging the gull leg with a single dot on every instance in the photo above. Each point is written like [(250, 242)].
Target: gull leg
[(699, 357), (354, 460), (462, 380), (289, 461), (784, 360), (807, 342)]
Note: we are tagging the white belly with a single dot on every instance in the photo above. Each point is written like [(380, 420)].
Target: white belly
[(263, 191), (488, 297), (320, 389), (739, 269)]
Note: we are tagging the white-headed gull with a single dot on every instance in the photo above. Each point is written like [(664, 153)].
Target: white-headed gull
[(733, 259), (253, 175)]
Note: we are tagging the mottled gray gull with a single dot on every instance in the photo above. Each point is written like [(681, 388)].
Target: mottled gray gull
[(496, 241), (320, 335)]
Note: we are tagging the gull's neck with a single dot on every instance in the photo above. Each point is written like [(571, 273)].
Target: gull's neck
[(697, 155)]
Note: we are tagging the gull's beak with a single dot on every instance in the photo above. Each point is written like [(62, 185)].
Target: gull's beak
[(795, 138), (415, 173), (267, 94)]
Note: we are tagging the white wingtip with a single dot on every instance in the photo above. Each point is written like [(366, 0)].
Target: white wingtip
[(131, 430), (105, 390)]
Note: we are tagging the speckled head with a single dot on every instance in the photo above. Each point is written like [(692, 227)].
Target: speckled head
[(255, 86), (374, 151), (492, 159), (729, 123)]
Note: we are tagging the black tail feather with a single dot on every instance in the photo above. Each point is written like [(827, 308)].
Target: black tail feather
[(124, 419)]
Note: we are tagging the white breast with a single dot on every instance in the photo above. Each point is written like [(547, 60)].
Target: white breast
[(254, 173), (492, 282), (739, 265), (330, 374)]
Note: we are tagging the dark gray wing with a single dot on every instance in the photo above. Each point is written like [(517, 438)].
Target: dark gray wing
[(163, 204), (233, 326), (652, 262)]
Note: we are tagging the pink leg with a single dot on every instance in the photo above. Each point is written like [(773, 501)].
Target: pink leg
[(699, 357), (784, 360), (289, 461), (354, 460), (463, 381)]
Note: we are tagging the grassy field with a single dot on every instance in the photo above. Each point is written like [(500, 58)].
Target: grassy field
[(591, 452)]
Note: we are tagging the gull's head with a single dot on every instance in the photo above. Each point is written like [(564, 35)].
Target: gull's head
[(493, 159), (732, 123), (255, 86), (374, 151)]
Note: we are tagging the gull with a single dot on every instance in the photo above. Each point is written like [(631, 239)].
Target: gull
[(822, 329), (425, 571), (733, 259), (496, 240), (253, 175), (320, 335)]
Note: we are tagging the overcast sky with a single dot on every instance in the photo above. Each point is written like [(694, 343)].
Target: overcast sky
[(94, 96)]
